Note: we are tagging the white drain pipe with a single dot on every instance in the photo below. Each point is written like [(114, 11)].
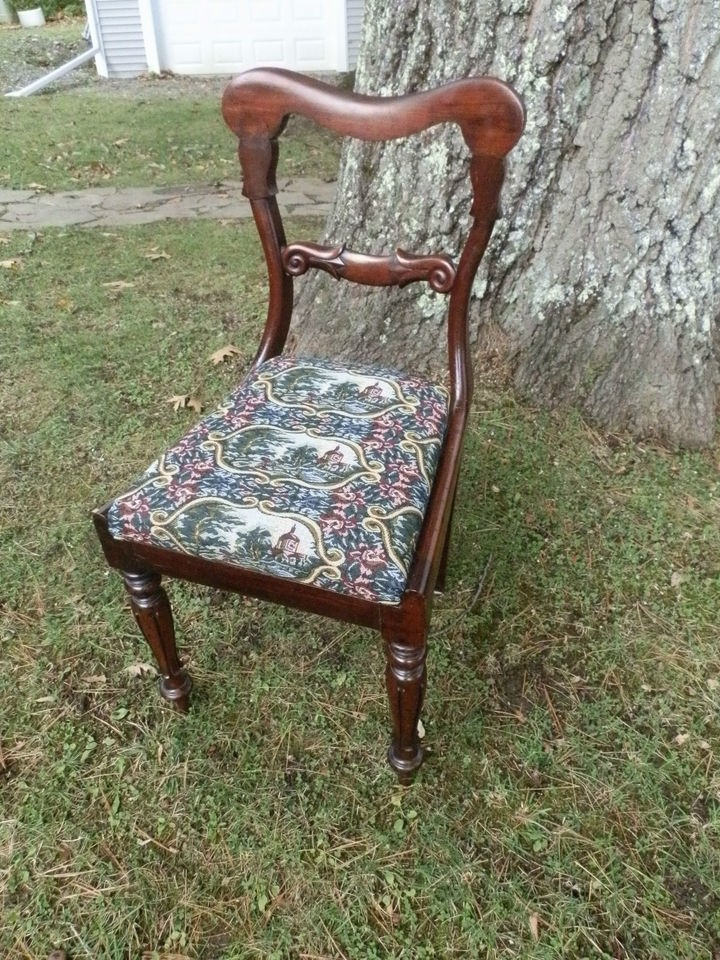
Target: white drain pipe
[(54, 75)]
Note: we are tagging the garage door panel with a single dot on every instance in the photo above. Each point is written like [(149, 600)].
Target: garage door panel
[(269, 53), (224, 36), (228, 55), (308, 51), (189, 54), (219, 12), (265, 10), (307, 10)]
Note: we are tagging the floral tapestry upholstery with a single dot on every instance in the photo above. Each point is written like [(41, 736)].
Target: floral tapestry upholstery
[(309, 471)]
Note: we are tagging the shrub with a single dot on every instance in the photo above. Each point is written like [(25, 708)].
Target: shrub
[(74, 8), (52, 7)]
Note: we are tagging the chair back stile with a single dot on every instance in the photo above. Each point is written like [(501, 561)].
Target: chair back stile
[(256, 106), (324, 486), (268, 221)]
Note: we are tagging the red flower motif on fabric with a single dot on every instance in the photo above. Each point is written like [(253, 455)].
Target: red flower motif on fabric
[(368, 560)]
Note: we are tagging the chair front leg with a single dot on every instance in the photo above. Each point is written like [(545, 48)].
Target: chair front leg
[(152, 612), (405, 679)]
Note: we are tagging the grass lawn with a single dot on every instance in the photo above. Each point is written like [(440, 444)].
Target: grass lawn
[(93, 133), (570, 804), (153, 142)]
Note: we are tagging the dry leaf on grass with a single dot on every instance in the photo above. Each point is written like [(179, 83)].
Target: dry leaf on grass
[(224, 353), (118, 285), (140, 670), (182, 400), (97, 166), (155, 254), (677, 579), (11, 264)]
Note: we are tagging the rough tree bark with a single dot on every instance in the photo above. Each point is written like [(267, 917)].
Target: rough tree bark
[(602, 278)]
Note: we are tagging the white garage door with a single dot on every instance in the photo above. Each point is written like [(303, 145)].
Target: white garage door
[(227, 36)]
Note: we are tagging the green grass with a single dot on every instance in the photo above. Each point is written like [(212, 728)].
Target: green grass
[(90, 140), (170, 132), (570, 803), (49, 141)]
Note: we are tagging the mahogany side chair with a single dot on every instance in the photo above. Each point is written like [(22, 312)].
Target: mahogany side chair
[(323, 486)]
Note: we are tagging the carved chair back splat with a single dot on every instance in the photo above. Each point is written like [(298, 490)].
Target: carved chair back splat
[(318, 485)]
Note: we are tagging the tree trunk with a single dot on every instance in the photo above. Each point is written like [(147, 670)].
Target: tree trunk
[(602, 278)]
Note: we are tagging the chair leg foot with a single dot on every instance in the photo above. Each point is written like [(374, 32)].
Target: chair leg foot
[(152, 612), (177, 696), (405, 769), (405, 679)]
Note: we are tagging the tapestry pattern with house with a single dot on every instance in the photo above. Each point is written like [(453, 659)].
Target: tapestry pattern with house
[(307, 471)]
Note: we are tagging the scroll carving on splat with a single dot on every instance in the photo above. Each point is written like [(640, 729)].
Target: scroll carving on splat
[(396, 270)]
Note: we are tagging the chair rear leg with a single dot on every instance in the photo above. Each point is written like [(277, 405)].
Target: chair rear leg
[(441, 579), (405, 678), (151, 609)]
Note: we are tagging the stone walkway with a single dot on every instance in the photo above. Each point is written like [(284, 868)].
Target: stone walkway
[(120, 206)]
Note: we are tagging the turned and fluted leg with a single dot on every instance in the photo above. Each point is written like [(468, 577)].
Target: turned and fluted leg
[(405, 679), (151, 609)]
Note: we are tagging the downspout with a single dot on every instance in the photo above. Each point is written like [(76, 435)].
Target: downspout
[(93, 34), (54, 75)]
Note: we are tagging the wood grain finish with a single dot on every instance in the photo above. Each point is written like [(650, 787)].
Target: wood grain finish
[(256, 106), (405, 678), (151, 609), (396, 270)]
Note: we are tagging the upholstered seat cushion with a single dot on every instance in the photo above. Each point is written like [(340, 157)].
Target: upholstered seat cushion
[(309, 470)]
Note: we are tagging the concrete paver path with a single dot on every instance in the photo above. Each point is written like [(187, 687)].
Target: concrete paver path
[(121, 206)]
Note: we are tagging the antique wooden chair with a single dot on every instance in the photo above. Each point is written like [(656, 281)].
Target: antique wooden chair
[(322, 486)]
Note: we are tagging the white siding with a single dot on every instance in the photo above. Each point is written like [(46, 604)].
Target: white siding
[(122, 37), (224, 36), (355, 10)]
